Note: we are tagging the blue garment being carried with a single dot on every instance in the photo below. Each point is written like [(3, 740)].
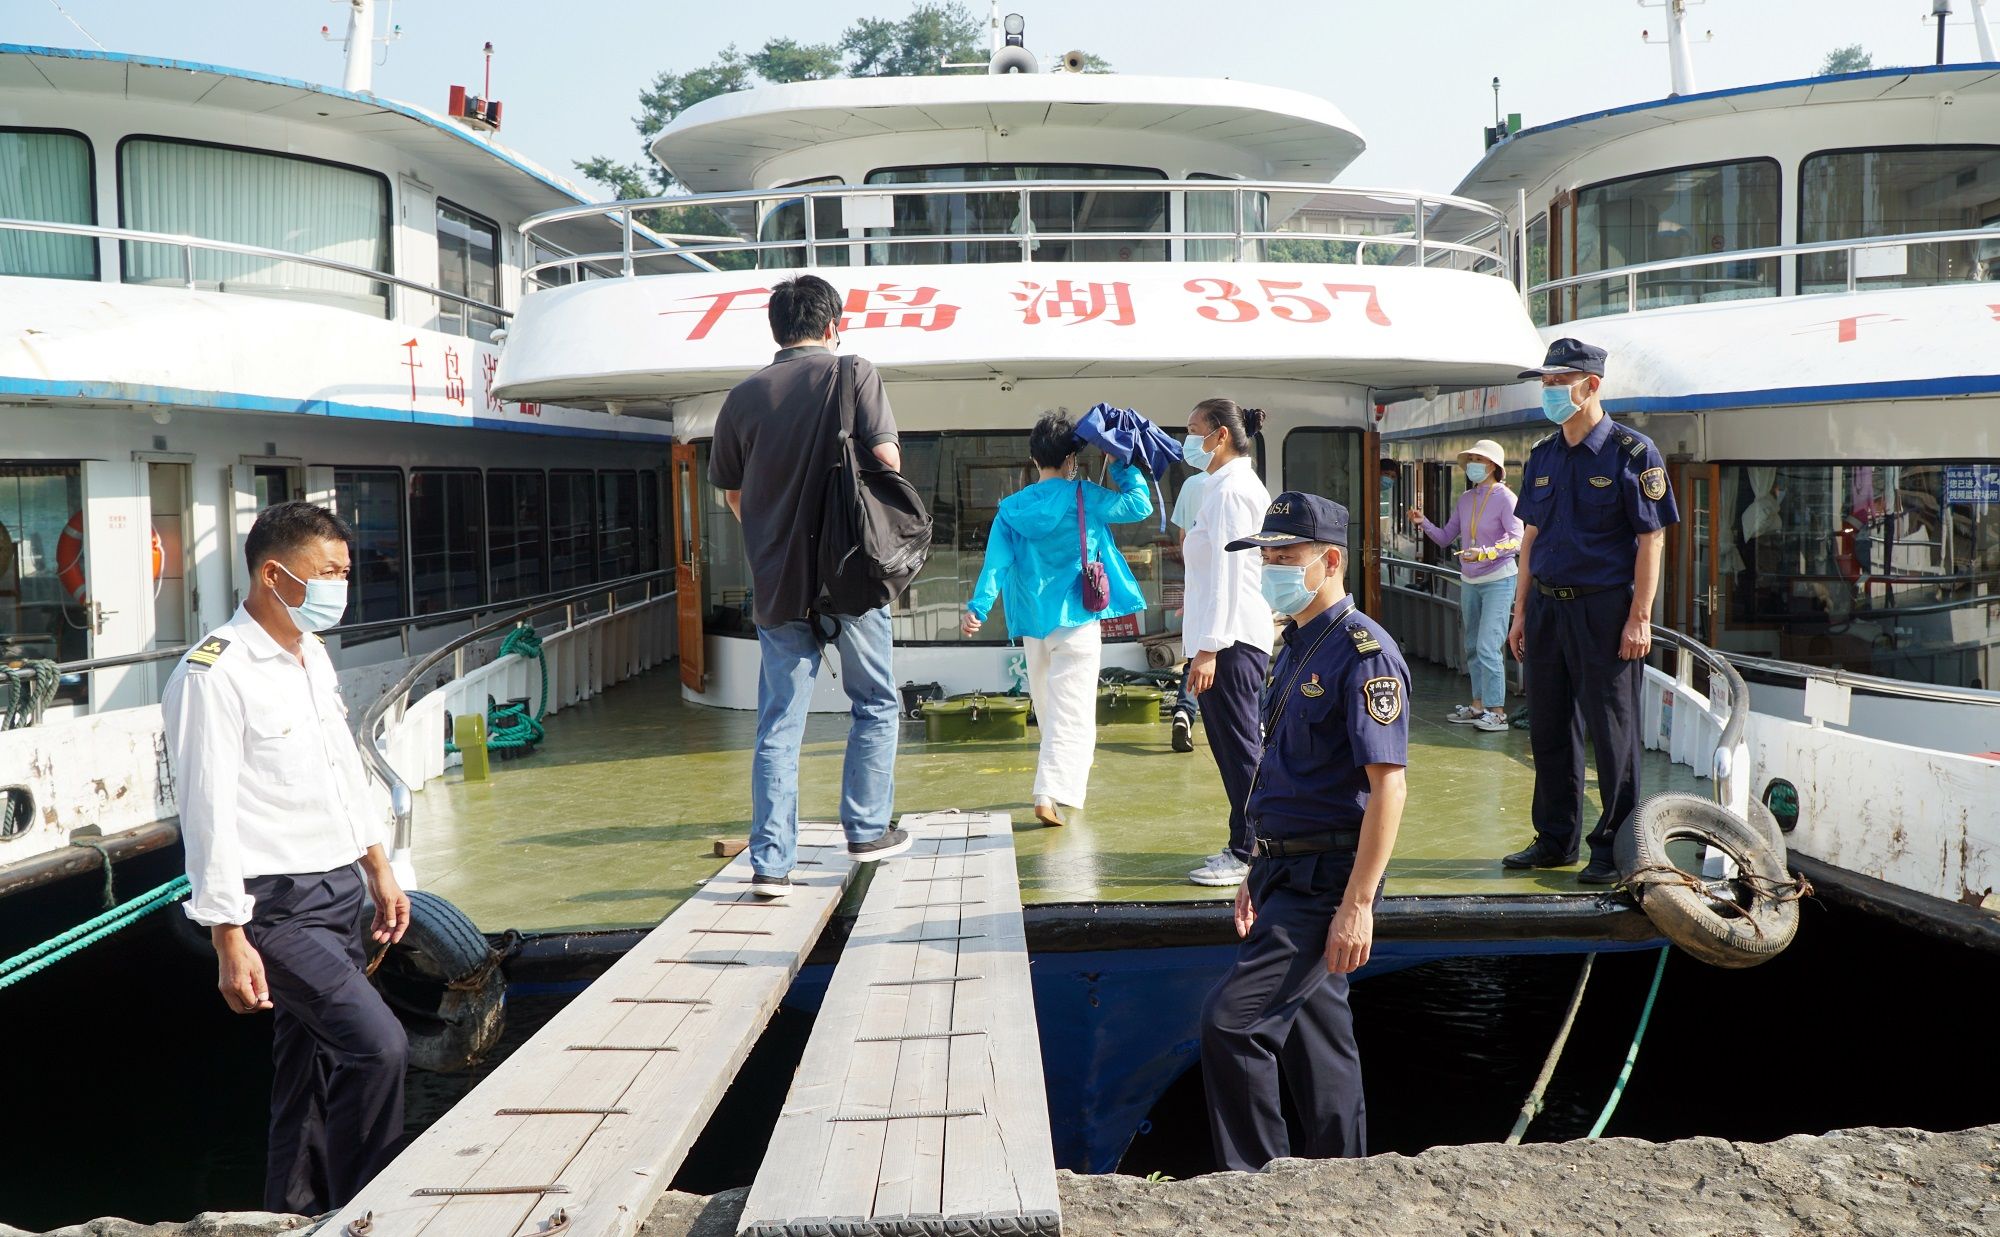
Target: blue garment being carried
[(1032, 553), (1126, 435)]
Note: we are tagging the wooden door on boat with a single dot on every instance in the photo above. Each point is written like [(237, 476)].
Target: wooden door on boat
[(687, 566), (1692, 587)]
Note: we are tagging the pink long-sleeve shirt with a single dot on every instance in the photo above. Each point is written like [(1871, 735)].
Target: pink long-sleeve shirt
[(1484, 517)]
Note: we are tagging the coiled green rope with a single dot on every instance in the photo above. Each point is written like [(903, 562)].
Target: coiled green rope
[(84, 935), (514, 725)]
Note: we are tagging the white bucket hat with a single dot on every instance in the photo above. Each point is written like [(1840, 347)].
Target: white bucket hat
[(1485, 449)]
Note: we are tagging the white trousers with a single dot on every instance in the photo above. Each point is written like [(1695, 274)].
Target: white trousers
[(1062, 679)]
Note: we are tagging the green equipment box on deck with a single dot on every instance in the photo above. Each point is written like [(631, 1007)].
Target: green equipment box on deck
[(976, 717)]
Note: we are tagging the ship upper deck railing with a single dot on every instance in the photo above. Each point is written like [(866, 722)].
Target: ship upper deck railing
[(996, 221), (1635, 278), (252, 283)]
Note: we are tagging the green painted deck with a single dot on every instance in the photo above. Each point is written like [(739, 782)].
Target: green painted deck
[(610, 824)]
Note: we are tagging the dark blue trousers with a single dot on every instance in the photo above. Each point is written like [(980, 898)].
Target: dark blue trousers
[(1230, 717), (1578, 685), (337, 1093), (1280, 1018)]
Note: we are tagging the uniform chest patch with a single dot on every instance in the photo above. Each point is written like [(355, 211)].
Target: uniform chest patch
[(1602, 483), (1654, 482), (1384, 697), (1541, 481), (1312, 689), (206, 653), (1364, 640)]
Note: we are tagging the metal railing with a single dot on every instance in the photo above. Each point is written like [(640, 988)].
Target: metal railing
[(1871, 684), (400, 626), (1630, 275), (1688, 652), (401, 803), (1483, 242), (189, 244)]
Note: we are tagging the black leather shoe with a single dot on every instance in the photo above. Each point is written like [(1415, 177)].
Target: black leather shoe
[(1541, 853), (1599, 872)]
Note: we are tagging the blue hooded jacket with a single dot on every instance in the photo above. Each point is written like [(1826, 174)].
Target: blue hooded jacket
[(1032, 553)]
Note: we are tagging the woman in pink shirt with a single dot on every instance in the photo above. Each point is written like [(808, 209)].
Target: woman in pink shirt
[(1490, 533)]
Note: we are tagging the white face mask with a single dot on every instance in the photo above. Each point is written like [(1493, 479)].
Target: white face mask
[(325, 602)]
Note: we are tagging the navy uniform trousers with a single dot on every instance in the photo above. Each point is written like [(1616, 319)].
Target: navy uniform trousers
[(1230, 718), (1578, 685), (338, 1053), (1280, 1018)]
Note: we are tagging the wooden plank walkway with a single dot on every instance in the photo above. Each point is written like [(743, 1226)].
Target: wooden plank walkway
[(919, 1104), (583, 1127)]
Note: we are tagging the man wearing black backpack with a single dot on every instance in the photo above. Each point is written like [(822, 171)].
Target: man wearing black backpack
[(776, 456)]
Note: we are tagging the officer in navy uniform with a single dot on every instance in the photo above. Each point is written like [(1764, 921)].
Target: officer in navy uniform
[(1595, 504), (1324, 806)]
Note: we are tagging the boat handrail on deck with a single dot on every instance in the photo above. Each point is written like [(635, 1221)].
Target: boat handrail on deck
[(1727, 766), (1481, 239), (189, 244), (401, 803), (1872, 684), (1631, 274)]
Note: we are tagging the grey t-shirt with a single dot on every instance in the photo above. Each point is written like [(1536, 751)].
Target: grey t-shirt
[(768, 445)]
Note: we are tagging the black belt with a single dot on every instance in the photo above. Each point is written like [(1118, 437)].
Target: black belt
[(1306, 844), (1566, 592)]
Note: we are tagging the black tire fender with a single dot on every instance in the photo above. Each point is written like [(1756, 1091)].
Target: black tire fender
[(1733, 924), (446, 986)]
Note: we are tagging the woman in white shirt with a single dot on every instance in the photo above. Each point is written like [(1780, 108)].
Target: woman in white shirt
[(1226, 629)]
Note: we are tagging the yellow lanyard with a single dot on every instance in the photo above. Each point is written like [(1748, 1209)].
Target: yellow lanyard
[(1478, 508)]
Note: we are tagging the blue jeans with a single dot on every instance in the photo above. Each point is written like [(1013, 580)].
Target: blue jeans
[(868, 777), (1486, 606)]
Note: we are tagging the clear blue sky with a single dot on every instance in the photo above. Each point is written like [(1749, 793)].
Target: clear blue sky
[(1414, 75)]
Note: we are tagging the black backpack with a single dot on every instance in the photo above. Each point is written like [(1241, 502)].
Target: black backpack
[(874, 533)]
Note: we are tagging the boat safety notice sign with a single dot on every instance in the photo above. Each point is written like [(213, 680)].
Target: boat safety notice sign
[(1972, 484)]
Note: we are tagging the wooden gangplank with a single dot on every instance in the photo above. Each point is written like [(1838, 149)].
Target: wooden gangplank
[(582, 1128), (919, 1104)]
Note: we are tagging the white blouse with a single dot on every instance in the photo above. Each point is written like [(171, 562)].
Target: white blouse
[(1225, 600)]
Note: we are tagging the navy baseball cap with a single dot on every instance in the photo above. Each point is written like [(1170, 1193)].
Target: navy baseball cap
[(1294, 517), (1569, 356)]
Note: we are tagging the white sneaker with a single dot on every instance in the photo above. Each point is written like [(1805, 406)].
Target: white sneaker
[(1489, 720), (1222, 870), (1463, 715)]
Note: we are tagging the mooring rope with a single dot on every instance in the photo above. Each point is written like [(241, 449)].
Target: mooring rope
[(1532, 1106), (1632, 1053), (86, 934)]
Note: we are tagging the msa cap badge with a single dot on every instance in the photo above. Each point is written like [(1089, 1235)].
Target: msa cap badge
[(1384, 697), (1280, 508), (1602, 483), (1312, 688), (1654, 482)]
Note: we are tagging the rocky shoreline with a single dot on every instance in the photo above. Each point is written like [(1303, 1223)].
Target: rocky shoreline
[(1866, 1182)]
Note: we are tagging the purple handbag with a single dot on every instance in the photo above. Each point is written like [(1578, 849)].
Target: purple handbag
[(1096, 585)]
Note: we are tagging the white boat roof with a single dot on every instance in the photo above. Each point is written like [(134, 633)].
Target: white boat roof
[(509, 177), (1532, 156), (721, 143)]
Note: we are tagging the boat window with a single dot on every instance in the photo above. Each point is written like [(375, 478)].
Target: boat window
[(254, 197), (1853, 193), (617, 524), (1537, 267), (516, 515), (1883, 568), (1215, 211), (469, 265), (41, 563), (572, 520), (50, 182), (996, 212), (371, 501), (786, 221), (650, 541), (1680, 214), (1325, 461), (447, 539)]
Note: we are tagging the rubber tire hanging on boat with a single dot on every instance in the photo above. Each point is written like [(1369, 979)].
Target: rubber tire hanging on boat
[(446, 986), (1752, 928)]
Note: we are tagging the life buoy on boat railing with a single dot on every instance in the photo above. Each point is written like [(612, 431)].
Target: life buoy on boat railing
[(1735, 922), (69, 559)]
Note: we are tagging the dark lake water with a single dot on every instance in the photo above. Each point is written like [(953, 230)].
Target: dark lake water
[(131, 1091)]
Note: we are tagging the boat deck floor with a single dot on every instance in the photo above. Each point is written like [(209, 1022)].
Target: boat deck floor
[(610, 825)]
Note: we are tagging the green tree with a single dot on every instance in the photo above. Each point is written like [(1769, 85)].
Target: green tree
[(784, 60), (915, 46), (1849, 59)]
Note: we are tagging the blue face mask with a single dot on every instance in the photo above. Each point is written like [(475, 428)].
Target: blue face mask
[(326, 601), (1191, 451), (1475, 472), (1285, 588), (1557, 405)]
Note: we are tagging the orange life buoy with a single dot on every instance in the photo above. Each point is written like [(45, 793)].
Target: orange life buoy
[(69, 558)]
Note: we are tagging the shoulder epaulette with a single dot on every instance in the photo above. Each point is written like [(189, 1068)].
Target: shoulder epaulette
[(207, 653), (1364, 639), (1544, 441)]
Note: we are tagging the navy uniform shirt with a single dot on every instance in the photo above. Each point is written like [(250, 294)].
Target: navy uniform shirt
[(1589, 503), (1337, 701)]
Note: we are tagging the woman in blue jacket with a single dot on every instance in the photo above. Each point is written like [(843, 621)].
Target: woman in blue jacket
[(1035, 554)]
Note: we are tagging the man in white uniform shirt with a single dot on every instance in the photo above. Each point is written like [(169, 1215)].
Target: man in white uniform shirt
[(284, 852)]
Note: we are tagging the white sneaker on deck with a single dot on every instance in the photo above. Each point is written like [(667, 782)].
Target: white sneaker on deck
[(1463, 715), (1489, 720), (1221, 870)]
